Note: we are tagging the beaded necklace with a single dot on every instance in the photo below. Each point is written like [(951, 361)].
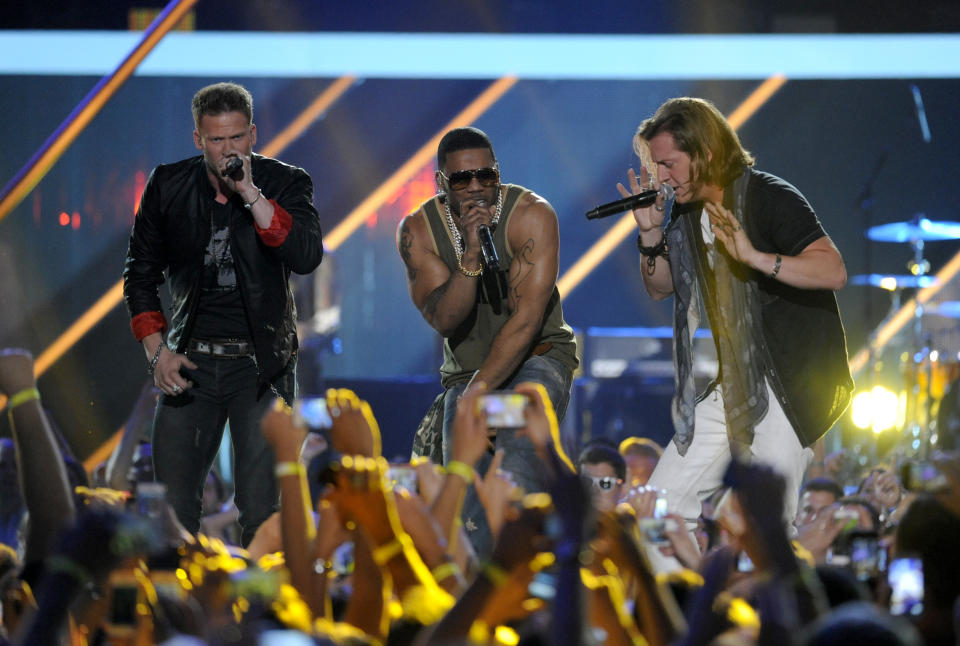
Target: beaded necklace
[(455, 231)]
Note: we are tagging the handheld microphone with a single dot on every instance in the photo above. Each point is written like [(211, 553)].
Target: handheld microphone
[(644, 198), (491, 261), (234, 169)]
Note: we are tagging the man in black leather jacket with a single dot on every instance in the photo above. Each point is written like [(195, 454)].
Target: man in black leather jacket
[(227, 227)]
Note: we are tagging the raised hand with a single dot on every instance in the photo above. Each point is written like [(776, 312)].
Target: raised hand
[(470, 434), (355, 430), (728, 231), (651, 217), (496, 491)]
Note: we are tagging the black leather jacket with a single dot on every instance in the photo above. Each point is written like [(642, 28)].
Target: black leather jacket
[(172, 230)]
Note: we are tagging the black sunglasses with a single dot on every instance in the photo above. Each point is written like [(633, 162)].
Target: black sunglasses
[(605, 483), (461, 179)]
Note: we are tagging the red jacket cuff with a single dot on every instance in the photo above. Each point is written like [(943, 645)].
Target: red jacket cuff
[(147, 323), (276, 233)]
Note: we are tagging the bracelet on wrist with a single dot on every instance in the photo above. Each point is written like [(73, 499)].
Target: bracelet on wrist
[(462, 469), (445, 570), (22, 397), (284, 469), (652, 253), (383, 553), (467, 272), (776, 266), (249, 205), (156, 357)]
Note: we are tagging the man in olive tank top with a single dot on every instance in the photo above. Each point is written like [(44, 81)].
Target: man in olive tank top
[(500, 327)]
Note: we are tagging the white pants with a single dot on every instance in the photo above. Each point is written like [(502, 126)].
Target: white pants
[(694, 477)]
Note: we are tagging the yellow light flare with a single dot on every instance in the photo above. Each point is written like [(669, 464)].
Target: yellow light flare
[(423, 156), (313, 112), (74, 124), (626, 225)]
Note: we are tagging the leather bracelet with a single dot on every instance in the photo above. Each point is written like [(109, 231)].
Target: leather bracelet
[(467, 272), (249, 205), (156, 358), (651, 253), (462, 469), (283, 469), (776, 266)]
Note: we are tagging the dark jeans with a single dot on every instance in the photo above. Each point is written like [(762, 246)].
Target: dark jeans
[(187, 430), (519, 458)]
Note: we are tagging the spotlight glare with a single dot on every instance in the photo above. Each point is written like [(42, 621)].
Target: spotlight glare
[(877, 409)]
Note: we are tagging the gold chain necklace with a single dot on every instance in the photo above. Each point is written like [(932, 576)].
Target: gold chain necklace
[(455, 231)]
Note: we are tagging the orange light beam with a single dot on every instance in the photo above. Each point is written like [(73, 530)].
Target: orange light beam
[(57, 143), (372, 202), (114, 295), (905, 314), (313, 112), (626, 225)]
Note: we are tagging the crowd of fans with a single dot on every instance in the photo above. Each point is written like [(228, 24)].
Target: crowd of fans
[(367, 552)]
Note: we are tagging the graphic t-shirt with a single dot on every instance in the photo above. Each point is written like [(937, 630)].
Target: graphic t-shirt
[(220, 313)]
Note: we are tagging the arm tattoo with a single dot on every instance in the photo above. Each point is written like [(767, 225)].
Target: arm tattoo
[(520, 268), (433, 300), (406, 242)]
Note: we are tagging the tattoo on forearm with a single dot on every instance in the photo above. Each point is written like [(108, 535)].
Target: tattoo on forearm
[(406, 242), (433, 300), (520, 268)]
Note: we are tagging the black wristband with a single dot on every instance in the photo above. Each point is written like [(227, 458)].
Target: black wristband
[(651, 253)]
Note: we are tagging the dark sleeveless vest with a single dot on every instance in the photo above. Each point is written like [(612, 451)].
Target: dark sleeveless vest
[(468, 347)]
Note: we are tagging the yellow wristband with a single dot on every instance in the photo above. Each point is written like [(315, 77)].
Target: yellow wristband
[(462, 469), (22, 397), (284, 469), (445, 570), (494, 573), (387, 551)]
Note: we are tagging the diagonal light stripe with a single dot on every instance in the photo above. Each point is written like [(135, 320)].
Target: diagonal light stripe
[(626, 225), (313, 112), (419, 159), (905, 314), (58, 142)]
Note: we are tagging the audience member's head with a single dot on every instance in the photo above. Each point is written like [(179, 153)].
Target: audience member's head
[(930, 531), (603, 465), (641, 455), (816, 495), (862, 623)]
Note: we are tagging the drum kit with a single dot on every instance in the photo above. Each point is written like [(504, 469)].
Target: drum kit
[(927, 372)]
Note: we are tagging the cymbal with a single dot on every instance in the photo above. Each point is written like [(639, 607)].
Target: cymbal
[(891, 282), (919, 228), (946, 309)]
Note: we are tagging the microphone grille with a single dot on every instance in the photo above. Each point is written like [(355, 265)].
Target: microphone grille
[(667, 192)]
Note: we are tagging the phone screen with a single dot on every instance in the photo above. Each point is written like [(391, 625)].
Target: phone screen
[(402, 476), (313, 413), (123, 605), (868, 558), (504, 409), (905, 577)]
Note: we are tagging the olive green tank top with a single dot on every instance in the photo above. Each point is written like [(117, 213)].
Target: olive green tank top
[(468, 347)]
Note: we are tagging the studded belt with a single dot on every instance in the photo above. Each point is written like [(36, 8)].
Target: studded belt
[(221, 347)]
